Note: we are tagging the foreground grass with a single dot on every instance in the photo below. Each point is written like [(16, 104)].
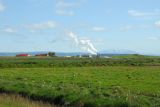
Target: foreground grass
[(18, 101), (86, 86)]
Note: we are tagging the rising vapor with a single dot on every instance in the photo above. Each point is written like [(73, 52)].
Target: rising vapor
[(84, 44)]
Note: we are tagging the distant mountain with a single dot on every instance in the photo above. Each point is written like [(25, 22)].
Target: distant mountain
[(42, 52), (70, 53), (7, 54), (105, 53), (118, 52), (15, 53)]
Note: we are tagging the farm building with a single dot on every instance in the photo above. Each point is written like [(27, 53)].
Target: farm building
[(46, 54), (86, 56), (42, 55), (23, 55)]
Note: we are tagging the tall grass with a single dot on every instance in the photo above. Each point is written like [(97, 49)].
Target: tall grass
[(11, 100)]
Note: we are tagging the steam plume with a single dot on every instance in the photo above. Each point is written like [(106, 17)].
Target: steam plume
[(85, 44)]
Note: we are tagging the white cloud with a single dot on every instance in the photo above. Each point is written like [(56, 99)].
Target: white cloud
[(144, 26), (126, 28), (157, 24), (64, 4), (99, 29), (41, 26), (2, 7), (136, 13), (153, 38), (133, 27), (66, 8), (9, 30), (65, 13)]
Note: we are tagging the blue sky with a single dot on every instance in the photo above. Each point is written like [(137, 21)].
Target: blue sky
[(43, 25)]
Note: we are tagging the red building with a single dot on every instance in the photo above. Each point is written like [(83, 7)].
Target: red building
[(22, 55)]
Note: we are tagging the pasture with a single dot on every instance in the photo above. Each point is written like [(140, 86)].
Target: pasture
[(130, 82)]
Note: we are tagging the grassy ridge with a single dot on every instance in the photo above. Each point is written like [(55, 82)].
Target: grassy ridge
[(117, 86)]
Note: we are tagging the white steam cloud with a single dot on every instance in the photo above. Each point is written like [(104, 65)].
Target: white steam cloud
[(85, 44)]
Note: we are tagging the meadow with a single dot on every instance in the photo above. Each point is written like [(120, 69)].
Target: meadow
[(35, 62), (131, 81)]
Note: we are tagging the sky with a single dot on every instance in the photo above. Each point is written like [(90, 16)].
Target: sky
[(55, 25)]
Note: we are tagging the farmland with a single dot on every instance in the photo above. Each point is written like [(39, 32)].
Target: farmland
[(131, 81), (34, 62)]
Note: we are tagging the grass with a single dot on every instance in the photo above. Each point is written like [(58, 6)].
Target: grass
[(41, 62), (19, 101), (135, 56), (111, 86)]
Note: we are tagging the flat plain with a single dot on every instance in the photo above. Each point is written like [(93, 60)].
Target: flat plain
[(91, 85)]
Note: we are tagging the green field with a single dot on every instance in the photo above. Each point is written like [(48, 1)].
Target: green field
[(126, 82), (37, 62)]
